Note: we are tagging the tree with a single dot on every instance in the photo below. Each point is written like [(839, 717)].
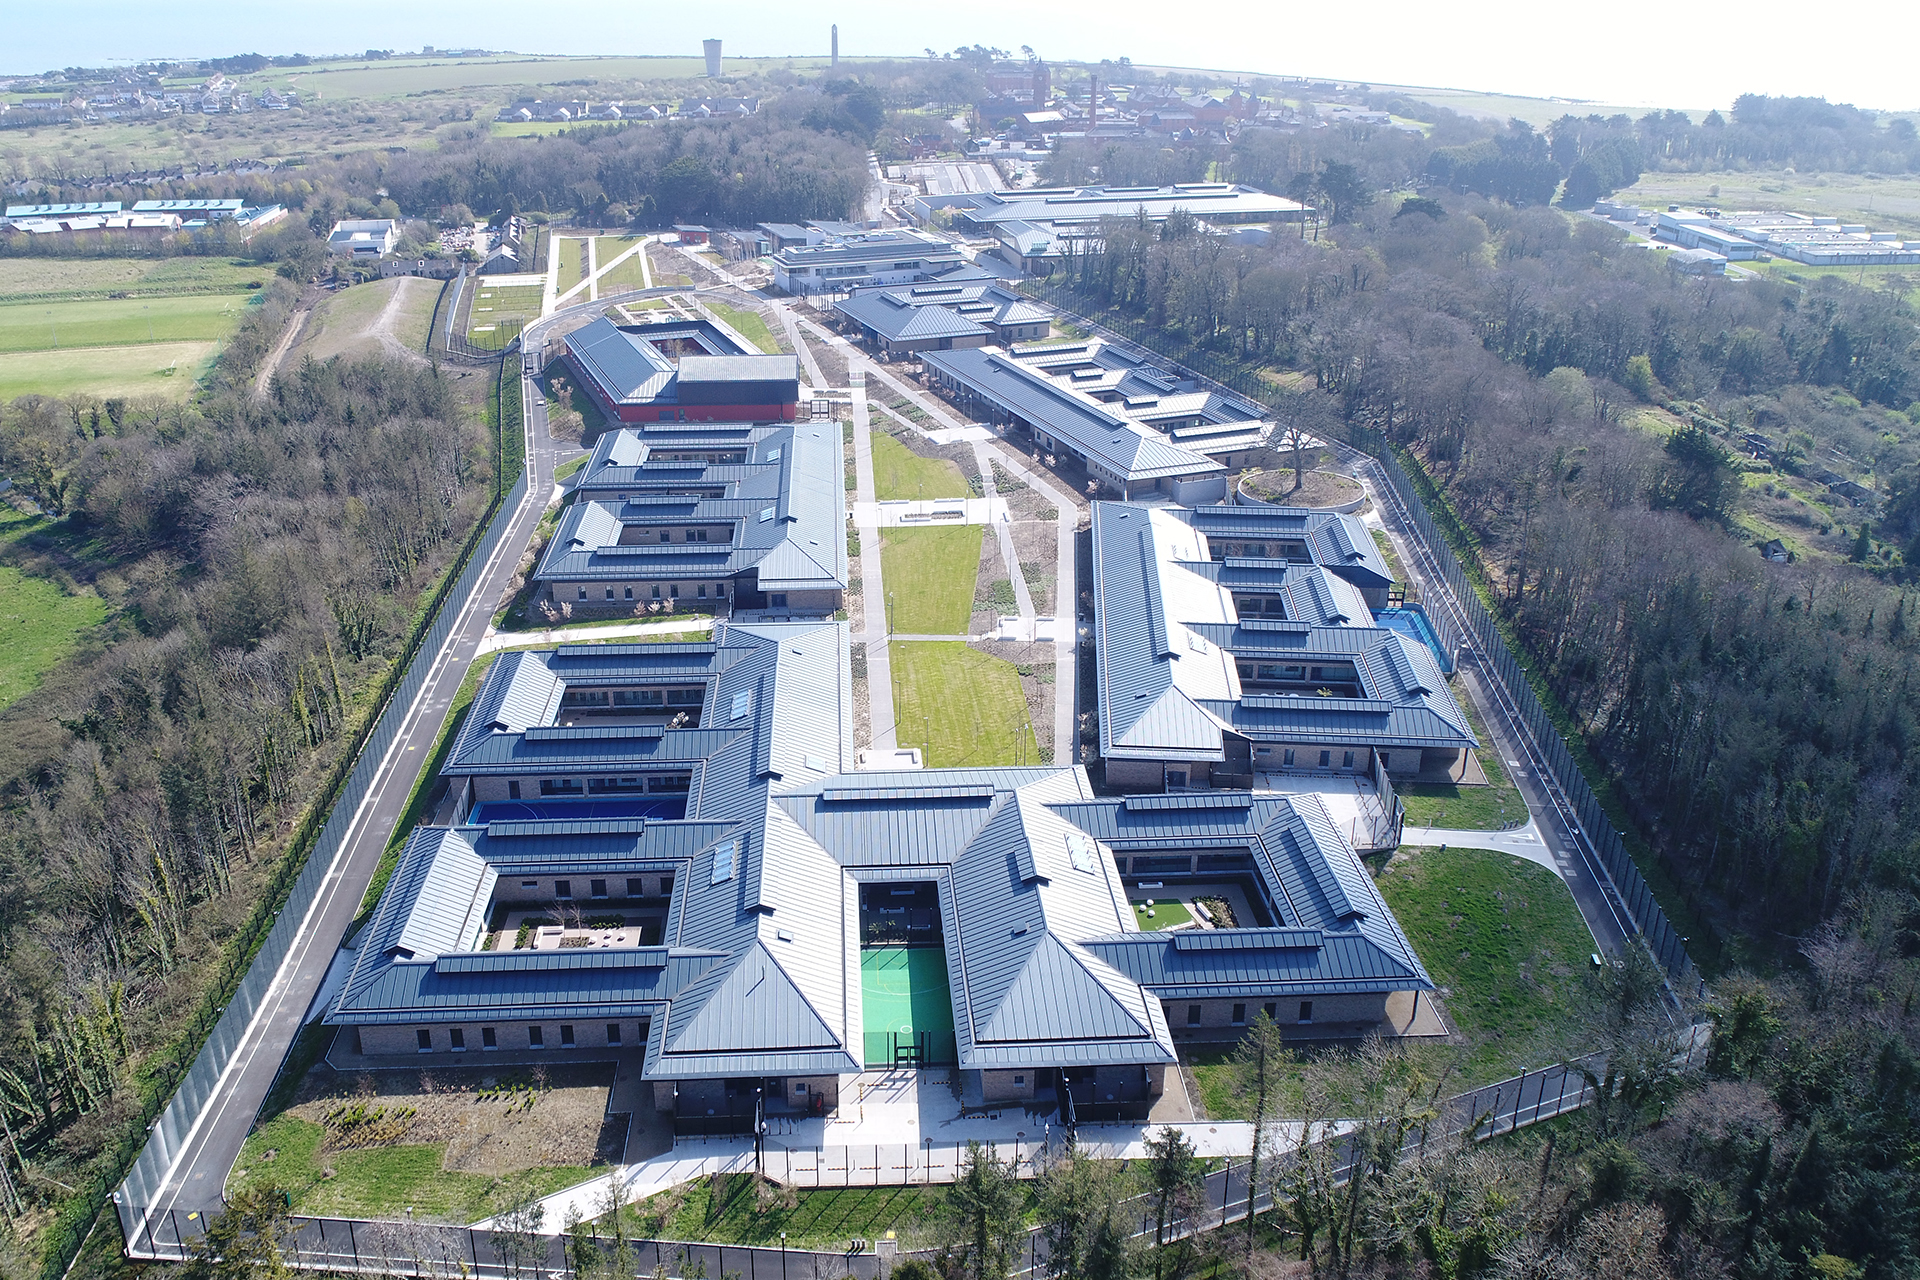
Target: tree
[(1260, 1062), (516, 1234), (1078, 1203), (1177, 1178), (983, 1210), (1701, 483), (245, 1242)]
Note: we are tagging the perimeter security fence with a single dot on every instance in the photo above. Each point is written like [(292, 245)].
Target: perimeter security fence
[(422, 1249), (1633, 901), (169, 1131)]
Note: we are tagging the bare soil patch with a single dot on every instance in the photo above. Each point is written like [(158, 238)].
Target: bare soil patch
[(493, 1122), (1317, 488)]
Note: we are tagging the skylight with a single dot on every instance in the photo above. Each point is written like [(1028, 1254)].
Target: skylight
[(723, 859), (766, 514), (1084, 854), (741, 701)]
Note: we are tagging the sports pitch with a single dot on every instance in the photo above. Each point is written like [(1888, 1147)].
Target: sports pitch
[(904, 992)]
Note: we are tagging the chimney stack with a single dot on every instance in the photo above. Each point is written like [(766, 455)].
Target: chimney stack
[(713, 58), (836, 46)]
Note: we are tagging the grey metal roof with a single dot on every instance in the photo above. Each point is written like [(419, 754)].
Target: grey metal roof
[(1170, 640), (1128, 450), (796, 542), (947, 309)]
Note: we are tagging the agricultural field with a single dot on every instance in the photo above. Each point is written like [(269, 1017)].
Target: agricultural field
[(501, 311), (64, 279), (384, 317), (930, 575), (40, 621), (166, 370), (964, 708), (1882, 203), (104, 322)]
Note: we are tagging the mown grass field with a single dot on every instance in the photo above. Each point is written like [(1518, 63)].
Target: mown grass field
[(748, 325), (40, 622), (499, 311), (964, 707), (1494, 807), (1504, 941), (168, 370), (627, 275), (898, 472), (571, 253), (23, 279), (104, 322), (384, 1181), (929, 576)]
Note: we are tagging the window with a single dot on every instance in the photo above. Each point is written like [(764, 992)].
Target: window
[(536, 1038), (1019, 1079), (560, 786), (1193, 1015), (673, 591), (598, 888), (426, 1040), (1326, 759), (1239, 1015), (583, 593), (779, 599), (629, 593), (1384, 757), (636, 887), (458, 1039), (1288, 759), (609, 593), (613, 1033), (1347, 763), (656, 591), (488, 1040), (703, 591), (563, 888), (666, 886), (1272, 1010), (1306, 1011), (513, 789), (720, 591), (665, 536), (529, 884), (566, 1035)]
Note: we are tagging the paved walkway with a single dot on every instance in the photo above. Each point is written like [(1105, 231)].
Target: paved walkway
[(911, 512), (1521, 842), (873, 589), (582, 635)]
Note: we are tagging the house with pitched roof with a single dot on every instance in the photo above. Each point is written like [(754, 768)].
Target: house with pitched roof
[(681, 371), (905, 319)]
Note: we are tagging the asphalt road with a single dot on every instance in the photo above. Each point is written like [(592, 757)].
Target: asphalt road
[(199, 1175)]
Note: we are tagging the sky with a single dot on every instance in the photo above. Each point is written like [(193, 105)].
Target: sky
[(1634, 55)]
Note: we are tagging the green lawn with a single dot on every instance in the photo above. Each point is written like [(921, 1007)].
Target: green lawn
[(166, 370), (1385, 544), (727, 1209), (103, 322), (898, 472), (572, 256), (1490, 808), (964, 707), (1505, 943), (341, 325), (381, 1181), (566, 469), (39, 622), (748, 325), (625, 276), (929, 575), (1166, 913), (36, 277), (500, 311)]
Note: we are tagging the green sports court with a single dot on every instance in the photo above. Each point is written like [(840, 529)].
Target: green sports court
[(905, 1004)]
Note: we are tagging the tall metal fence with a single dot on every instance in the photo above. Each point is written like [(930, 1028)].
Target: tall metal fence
[(1632, 899), (169, 1131), (416, 1248)]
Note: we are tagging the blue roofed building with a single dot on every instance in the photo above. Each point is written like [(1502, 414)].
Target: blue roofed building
[(681, 371), (1237, 641), (906, 319)]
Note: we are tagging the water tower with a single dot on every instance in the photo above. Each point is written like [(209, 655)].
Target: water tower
[(713, 58)]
